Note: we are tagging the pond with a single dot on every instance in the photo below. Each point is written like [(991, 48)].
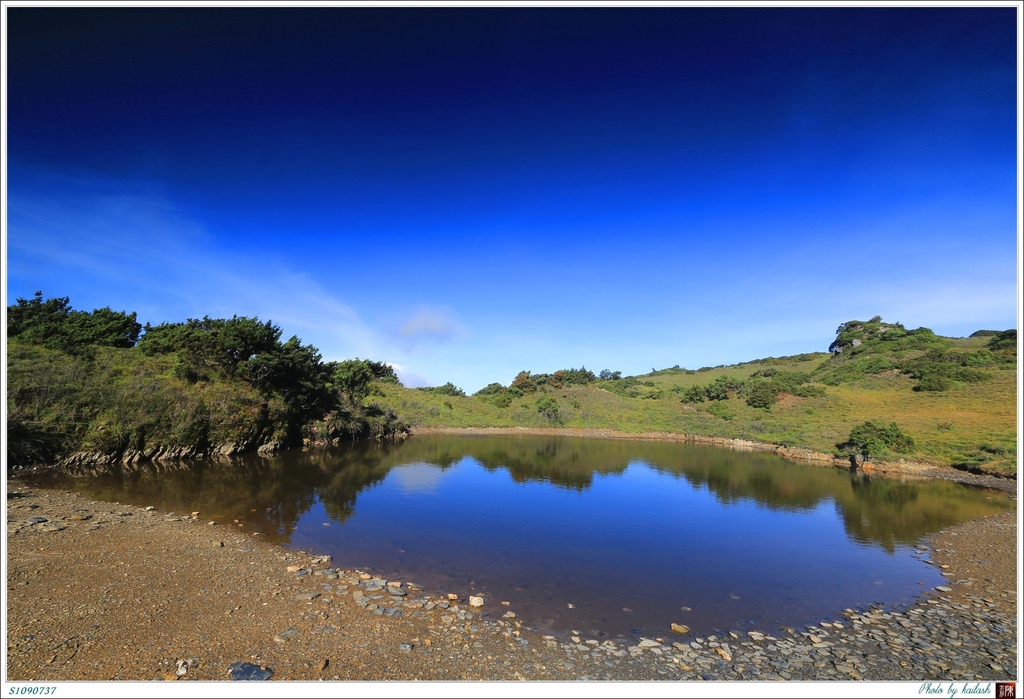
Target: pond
[(607, 537)]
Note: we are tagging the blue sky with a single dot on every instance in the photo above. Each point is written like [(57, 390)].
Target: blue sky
[(470, 192)]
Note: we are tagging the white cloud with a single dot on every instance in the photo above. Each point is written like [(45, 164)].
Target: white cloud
[(433, 322), (417, 479), (408, 378)]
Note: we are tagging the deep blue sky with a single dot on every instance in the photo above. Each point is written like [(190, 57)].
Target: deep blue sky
[(470, 192)]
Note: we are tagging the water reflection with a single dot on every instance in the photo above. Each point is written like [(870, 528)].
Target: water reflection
[(733, 537)]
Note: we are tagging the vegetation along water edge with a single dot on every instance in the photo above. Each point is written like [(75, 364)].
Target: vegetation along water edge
[(94, 387)]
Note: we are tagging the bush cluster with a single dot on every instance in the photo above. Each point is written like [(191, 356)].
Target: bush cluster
[(876, 438), (449, 389), (188, 384), (761, 390)]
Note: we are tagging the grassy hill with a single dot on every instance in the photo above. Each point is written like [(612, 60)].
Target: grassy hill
[(955, 397), (87, 383)]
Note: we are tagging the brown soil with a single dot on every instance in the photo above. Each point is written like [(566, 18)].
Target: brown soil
[(123, 593)]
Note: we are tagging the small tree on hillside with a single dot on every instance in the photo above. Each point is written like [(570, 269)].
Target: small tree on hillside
[(548, 407), (877, 439)]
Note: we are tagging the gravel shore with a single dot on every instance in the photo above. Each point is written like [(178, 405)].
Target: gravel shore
[(109, 592)]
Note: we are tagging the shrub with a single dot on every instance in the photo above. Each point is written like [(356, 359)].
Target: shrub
[(939, 370), (448, 389), (623, 387), (54, 324), (548, 407), (721, 410), (497, 394), (1005, 341), (788, 381), (580, 377), (761, 394), (834, 374), (722, 386), (876, 438), (503, 399), (935, 383), (810, 390), (694, 394)]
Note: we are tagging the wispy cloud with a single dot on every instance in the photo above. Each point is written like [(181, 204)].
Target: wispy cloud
[(433, 322), (109, 235), (136, 250)]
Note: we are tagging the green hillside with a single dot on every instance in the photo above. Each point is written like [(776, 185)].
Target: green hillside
[(954, 397)]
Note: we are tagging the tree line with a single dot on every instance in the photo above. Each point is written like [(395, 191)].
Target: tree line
[(310, 399)]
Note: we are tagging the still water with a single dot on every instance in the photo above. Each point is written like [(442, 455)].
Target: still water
[(608, 537)]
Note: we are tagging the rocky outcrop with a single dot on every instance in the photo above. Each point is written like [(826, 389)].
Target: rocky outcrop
[(162, 453)]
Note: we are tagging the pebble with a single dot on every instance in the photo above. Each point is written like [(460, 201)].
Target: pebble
[(248, 671)]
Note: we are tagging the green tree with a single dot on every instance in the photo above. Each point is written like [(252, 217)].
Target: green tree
[(165, 338), (876, 438), (694, 394), (722, 386), (1005, 341), (102, 327), (761, 394), (579, 377), (52, 323), (35, 320), (548, 407), (524, 382), (353, 377)]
